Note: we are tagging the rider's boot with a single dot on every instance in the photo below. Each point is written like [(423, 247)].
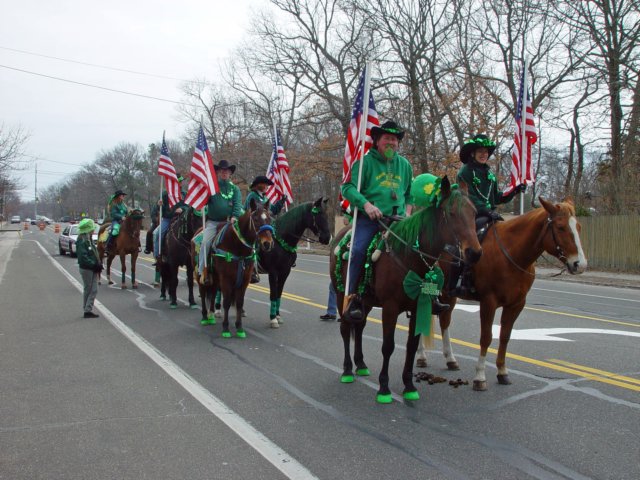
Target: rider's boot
[(437, 307), (255, 277), (355, 308), (107, 247)]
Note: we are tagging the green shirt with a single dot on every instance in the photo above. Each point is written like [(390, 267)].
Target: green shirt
[(262, 199), (118, 211), (86, 251), (226, 203), (386, 184), (482, 186)]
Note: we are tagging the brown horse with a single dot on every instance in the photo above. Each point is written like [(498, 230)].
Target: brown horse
[(232, 258), (126, 243), (506, 271), (451, 223)]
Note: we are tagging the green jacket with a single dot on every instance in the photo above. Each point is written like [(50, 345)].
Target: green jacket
[(86, 250), (118, 211), (482, 186), (226, 203), (169, 212), (274, 208), (382, 180)]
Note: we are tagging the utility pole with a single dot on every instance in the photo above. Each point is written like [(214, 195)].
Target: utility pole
[(35, 203)]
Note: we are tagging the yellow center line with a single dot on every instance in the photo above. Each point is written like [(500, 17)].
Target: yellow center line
[(597, 319), (604, 373)]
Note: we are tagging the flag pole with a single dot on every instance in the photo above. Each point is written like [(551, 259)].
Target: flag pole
[(160, 210), (204, 219), (363, 134), (523, 126)]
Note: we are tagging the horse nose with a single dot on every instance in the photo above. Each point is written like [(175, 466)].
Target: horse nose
[(266, 245), (472, 255), (577, 267)]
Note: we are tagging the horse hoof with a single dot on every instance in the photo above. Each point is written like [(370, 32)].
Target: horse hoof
[(480, 385), (453, 366), (156, 284), (217, 313), (504, 379), (280, 321), (421, 363), (123, 287), (193, 306), (411, 396), (274, 323), (347, 379), (111, 283), (173, 306), (226, 334), (134, 287), (363, 372), (241, 334), (384, 398), (163, 297)]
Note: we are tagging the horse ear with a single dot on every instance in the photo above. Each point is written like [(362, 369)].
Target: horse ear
[(318, 203), (445, 187), (548, 206)]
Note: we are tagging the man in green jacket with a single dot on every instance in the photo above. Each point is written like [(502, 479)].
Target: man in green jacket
[(385, 190), (257, 191), (225, 205), (90, 265), (117, 211)]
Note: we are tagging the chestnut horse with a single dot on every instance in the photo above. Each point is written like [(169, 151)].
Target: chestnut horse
[(232, 258), (451, 223), (506, 271), (126, 243), (288, 229), (176, 252)]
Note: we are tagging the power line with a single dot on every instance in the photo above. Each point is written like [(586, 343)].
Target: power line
[(97, 86), (95, 65)]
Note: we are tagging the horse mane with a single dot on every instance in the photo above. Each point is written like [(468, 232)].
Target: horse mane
[(407, 231), (288, 221)]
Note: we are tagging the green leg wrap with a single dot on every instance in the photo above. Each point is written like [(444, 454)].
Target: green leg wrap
[(278, 306), (218, 300), (273, 309)]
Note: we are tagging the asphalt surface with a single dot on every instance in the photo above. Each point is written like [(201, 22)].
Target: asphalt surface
[(146, 392)]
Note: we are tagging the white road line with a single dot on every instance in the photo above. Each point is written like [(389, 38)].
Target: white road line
[(280, 459), (586, 295)]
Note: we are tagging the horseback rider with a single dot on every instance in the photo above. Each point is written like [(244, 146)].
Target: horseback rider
[(166, 215), (483, 192), (257, 192), (117, 211), (225, 205), (385, 190)]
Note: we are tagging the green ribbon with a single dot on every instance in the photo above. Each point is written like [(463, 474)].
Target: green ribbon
[(425, 290)]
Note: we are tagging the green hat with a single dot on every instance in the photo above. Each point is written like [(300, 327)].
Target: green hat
[(425, 190), (86, 226), (470, 146)]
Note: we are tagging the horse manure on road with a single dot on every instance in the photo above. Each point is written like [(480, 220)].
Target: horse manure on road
[(428, 377)]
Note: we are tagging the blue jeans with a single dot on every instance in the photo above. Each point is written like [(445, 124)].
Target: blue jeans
[(160, 232), (332, 305), (364, 232)]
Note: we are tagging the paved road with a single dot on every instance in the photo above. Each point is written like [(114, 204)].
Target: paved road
[(146, 392)]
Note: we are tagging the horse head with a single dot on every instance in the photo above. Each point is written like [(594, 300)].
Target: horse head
[(133, 221), (562, 235), (458, 220), (317, 221), (259, 225)]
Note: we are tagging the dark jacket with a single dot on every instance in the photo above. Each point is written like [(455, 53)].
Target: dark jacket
[(169, 212), (274, 208), (483, 187), (87, 253)]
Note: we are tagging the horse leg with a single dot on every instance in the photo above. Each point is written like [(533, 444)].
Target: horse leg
[(390, 314), (226, 305), (282, 278), (273, 299), (192, 300), (358, 357), (410, 391), (123, 267), (240, 333), (109, 260), (347, 365), (487, 312), (172, 279), (508, 318), (445, 323), (134, 259)]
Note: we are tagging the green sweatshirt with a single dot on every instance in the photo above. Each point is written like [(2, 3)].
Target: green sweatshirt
[(226, 203), (86, 251), (274, 208), (118, 211), (382, 180)]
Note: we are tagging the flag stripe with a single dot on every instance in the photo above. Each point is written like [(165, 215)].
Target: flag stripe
[(278, 173), (168, 172), (204, 181)]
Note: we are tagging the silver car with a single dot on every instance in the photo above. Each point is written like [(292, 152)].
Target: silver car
[(69, 236)]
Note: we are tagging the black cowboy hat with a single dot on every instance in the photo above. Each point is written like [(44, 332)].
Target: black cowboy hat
[(118, 193), (387, 127), (260, 179), (470, 146), (224, 165)]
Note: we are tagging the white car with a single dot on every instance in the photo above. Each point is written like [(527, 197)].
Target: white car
[(69, 236), (15, 219)]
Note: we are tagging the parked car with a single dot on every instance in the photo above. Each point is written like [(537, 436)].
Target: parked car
[(27, 220), (15, 219), (69, 236), (65, 219)]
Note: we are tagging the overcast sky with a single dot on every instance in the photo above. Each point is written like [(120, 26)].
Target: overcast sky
[(69, 123)]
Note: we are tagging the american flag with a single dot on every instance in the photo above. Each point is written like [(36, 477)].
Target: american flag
[(278, 173), (518, 176), (354, 142), (204, 181), (168, 171)]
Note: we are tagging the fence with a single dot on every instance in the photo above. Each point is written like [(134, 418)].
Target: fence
[(612, 242)]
